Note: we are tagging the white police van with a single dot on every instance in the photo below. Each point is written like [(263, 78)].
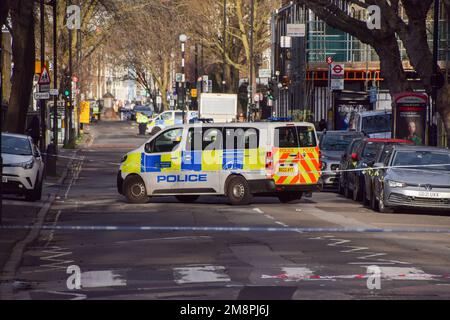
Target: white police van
[(237, 160), (169, 118)]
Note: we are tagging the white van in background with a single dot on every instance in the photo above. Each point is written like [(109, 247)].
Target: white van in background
[(375, 124)]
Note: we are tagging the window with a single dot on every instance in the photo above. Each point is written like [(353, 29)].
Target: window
[(378, 123), (371, 149), (306, 137), (204, 139), (241, 138), (336, 142), (179, 116), (16, 146), (286, 137), (166, 116), (167, 141)]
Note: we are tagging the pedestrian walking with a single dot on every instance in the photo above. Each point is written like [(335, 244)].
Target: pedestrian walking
[(142, 121), (34, 129)]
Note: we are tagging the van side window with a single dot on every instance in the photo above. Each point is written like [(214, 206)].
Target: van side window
[(166, 116), (179, 116), (241, 138), (286, 137), (204, 139)]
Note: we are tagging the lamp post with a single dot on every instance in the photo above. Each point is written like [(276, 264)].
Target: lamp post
[(250, 84), (435, 85), (224, 84), (1, 120), (42, 103), (183, 39)]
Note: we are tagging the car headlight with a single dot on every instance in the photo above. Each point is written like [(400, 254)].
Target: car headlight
[(396, 184), (124, 158), (26, 165)]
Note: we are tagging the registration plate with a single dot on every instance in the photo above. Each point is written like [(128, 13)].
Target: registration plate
[(427, 194), (4, 179), (287, 170)]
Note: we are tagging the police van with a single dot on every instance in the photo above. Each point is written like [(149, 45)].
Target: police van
[(238, 160), (168, 118)]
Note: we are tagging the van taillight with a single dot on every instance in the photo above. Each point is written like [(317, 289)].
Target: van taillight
[(269, 161)]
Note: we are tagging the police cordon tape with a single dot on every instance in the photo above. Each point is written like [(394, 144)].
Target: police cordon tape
[(311, 171), (225, 229)]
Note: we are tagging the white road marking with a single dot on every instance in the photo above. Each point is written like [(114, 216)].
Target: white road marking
[(258, 210), (200, 274), (52, 232), (101, 279), (38, 204), (401, 273), (166, 239), (77, 296), (281, 224)]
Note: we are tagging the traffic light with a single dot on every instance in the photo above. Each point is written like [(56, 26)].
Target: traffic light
[(67, 93)]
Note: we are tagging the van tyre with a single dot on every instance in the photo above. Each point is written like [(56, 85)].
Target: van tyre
[(187, 198), (134, 190), (290, 197), (238, 191)]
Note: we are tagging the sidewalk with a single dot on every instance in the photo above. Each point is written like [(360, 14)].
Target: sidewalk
[(16, 211)]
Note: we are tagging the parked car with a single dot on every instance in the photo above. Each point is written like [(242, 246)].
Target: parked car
[(332, 146), (375, 124), (23, 167), (369, 175), (361, 158), (145, 110), (413, 176)]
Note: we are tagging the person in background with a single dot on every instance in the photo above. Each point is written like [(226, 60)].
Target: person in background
[(34, 129), (142, 121), (322, 125)]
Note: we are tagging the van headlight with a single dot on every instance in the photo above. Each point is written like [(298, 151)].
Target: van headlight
[(396, 184)]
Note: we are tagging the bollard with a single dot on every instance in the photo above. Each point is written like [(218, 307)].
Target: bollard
[(51, 161)]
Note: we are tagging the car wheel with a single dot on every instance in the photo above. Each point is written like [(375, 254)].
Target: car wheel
[(134, 190), (238, 191), (290, 197), (347, 192), (381, 206), (187, 198), (34, 194), (366, 201), (155, 130)]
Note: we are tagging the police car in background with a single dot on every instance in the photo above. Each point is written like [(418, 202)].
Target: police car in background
[(169, 118), (238, 160)]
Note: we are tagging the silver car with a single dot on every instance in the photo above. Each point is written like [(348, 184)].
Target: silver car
[(412, 176)]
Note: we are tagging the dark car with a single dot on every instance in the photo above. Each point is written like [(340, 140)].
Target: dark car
[(363, 157), (346, 164), (333, 145)]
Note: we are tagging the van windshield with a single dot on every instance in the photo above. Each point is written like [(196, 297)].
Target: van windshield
[(295, 137), (377, 123)]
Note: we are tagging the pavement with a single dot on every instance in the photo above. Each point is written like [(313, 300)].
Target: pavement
[(324, 247)]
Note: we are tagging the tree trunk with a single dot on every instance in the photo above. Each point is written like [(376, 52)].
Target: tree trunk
[(23, 48), (443, 105)]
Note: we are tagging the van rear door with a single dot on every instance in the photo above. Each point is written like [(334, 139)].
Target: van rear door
[(295, 156)]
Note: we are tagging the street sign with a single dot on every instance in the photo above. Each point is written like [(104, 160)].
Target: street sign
[(337, 84), (330, 60), (54, 92), (265, 73), (295, 30), (44, 78), (41, 96), (373, 94), (337, 70), (285, 42)]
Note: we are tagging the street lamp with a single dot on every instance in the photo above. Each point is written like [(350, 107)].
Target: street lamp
[(183, 39)]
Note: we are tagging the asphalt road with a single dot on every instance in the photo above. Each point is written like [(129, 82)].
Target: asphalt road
[(239, 264)]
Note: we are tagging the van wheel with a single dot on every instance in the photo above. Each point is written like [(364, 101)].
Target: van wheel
[(187, 199), (238, 191), (155, 130), (290, 197), (134, 190)]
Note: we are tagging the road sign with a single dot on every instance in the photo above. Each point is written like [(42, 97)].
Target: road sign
[(373, 93), (330, 60), (285, 42), (54, 92), (85, 112), (337, 70), (44, 78), (41, 96), (159, 99), (337, 84), (265, 73), (295, 30)]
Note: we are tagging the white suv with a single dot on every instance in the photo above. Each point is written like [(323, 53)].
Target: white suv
[(23, 167)]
